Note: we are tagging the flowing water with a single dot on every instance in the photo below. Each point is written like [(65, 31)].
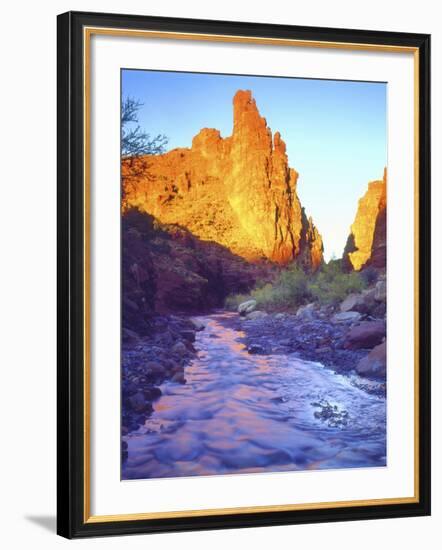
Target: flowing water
[(241, 413)]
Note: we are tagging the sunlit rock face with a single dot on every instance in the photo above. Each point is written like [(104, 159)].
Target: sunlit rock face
[(237, 191), (366, 244)]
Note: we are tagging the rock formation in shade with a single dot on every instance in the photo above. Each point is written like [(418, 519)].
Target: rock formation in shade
[(166, 269), (367, 242), (237, 191)]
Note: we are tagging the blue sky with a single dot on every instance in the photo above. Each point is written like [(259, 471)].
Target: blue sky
[(335, 131)]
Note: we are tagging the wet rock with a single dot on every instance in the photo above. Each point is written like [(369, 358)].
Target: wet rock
[(172, 366), (197, 324), (247, 307), (155, 371), (365, 335), (346, 316), (189, 346), (285, 342), (373, 386), (139, 403), (256, 349), (178, 378), (375, 363), (256, 315), (317, 340), (332, 415), (188, 335), (150, 361), (152, 393), (179, 349)]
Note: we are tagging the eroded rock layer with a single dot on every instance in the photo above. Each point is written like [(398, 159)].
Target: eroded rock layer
[(237, 191), (367, 244)]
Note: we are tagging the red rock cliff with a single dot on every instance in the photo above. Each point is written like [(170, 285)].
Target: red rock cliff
[(367, 244), (237, 191)]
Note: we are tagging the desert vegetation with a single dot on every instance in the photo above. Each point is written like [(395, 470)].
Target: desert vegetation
[(294, 287)]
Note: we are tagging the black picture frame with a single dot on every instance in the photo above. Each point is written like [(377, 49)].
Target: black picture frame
[(72, 520)]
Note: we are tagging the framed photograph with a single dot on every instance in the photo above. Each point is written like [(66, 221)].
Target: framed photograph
[(243, 274)]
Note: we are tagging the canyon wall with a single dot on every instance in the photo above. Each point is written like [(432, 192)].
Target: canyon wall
[(167, 269), (237, 191), (367, 242)]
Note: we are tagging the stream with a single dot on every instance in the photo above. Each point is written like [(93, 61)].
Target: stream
[(241, 413)]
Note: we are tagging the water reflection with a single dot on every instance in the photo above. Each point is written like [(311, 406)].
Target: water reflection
[(247, 413)]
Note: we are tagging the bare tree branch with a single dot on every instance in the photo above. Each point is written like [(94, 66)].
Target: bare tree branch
[(135, 142)]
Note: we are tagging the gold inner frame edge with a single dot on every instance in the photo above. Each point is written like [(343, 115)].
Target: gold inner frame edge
[(87, 34)]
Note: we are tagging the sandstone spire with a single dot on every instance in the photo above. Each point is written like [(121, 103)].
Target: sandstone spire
[(238, 191), (366, 244)]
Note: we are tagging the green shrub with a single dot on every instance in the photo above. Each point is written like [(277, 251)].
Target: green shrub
[(288, 291), (295, 281), (330, 285), (293, 288)]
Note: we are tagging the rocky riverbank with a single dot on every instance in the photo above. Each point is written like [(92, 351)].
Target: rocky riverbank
[(349, 339), (147, 362), (243, 413)]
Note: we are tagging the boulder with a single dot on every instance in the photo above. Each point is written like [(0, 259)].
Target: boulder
[(153, 367), (179, 349), (306, 312), (151, 393), (190, 347), (325, 312), (256, 315), (374, 365), (154, 371), (381, 291), (188, 335), (178, 378), (139, 403), (256, 349), (172, 366), (380, 310), (351, 302), (247, 307), (365, 335), (197, 324), (346, 317), (363, 302)]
